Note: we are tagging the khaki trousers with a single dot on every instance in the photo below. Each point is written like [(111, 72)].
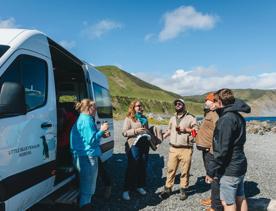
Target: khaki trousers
[(183, 158)]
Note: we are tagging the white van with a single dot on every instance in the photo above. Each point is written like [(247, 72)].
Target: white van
[(39, 82)]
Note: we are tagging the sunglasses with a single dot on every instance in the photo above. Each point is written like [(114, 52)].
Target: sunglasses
[(178, 104), (138, 105)]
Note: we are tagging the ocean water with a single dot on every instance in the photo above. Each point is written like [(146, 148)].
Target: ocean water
[(251, 118), (261, 118)]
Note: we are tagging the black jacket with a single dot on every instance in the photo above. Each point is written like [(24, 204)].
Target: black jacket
[(228, 142)]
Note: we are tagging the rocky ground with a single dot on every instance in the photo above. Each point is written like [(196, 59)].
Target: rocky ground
[(260, 179)]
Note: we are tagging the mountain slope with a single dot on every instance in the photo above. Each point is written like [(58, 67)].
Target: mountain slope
[(125, 87)]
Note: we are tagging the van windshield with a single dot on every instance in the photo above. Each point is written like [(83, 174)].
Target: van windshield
[(3, 49)]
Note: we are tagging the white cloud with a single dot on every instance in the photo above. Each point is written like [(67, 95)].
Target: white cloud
[(8, 23), (67, 44), (185, 18), (102, 27), (200, 80)]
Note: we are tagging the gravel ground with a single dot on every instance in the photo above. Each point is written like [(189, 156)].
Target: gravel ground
[(260, 178)]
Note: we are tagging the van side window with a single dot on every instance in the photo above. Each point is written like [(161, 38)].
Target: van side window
[(103, 101), (31, 72)]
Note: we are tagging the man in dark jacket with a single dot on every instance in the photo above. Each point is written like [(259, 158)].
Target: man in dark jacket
[(229, 164)]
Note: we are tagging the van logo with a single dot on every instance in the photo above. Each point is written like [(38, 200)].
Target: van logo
[(23, 151), (45, 147)]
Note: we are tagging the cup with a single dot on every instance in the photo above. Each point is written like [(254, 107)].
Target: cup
[(194, 133), (177, 129), (107, 133)]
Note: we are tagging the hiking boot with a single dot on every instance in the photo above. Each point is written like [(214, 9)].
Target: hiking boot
[(183, 194), (165, 193), (206, 202), (141, 191), (125, 195)]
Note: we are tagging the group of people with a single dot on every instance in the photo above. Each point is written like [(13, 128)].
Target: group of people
[(221, 137)]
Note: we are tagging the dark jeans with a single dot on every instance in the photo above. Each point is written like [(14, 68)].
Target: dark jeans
[(215, 194), (204, 155), (103, 174), (135, 176)]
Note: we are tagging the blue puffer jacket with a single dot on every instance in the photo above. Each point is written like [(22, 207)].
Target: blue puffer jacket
[(85, 137)]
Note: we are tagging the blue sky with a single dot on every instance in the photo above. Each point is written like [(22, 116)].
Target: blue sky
[(188, 47)]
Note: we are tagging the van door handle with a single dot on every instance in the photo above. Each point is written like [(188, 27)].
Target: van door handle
[(46, 124)]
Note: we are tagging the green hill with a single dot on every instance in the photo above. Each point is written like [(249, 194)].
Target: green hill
[(125, 87)]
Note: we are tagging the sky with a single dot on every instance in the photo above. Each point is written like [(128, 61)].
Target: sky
[(187, 47)]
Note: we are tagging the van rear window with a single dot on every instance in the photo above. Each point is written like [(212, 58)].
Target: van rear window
[(3, 49), (103, 101)]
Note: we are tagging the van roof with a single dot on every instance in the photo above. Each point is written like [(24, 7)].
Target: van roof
[(8, 35)]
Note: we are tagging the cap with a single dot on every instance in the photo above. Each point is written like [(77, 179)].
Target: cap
[(179, 100), (210, 97)]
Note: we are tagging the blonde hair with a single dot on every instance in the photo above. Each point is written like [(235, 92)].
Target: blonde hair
[(131, 110), (84, 105)]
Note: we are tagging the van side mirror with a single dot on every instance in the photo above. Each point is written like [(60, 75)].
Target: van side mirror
[(12, 99)]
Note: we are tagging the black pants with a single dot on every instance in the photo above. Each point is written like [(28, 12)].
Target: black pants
[(104, 174), (135, 176), (216, 203), (204, 155)]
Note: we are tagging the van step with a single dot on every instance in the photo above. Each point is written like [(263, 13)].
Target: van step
[(70, 197)]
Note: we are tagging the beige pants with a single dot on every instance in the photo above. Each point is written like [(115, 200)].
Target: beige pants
[(183, 158)]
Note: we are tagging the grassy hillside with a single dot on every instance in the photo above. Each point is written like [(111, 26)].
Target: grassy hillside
[(126, 85), (125, 88)]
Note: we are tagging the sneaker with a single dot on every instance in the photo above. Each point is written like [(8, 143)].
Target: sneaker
[(141, 191), (183, 194), (125, 196), (165, 193), (206, 202)]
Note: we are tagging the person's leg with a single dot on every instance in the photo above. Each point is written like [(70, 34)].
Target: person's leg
[(130, 176), (241, 200), (228, 192), (229, 207), (215, 196), (94, 174), (171, 171), (142, 167), (104, 174), (86, 180), (185, 157), (241, 203), (172, 166), (205, 159)]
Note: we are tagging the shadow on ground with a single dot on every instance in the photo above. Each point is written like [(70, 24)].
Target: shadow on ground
[(117, 166)]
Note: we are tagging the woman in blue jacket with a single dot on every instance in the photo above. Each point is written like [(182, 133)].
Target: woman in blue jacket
[(85, 147)]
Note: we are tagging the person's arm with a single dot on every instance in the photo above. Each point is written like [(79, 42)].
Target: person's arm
[(223, 143), (127, 130), (90, 133), (168, 131), (193, 125)]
